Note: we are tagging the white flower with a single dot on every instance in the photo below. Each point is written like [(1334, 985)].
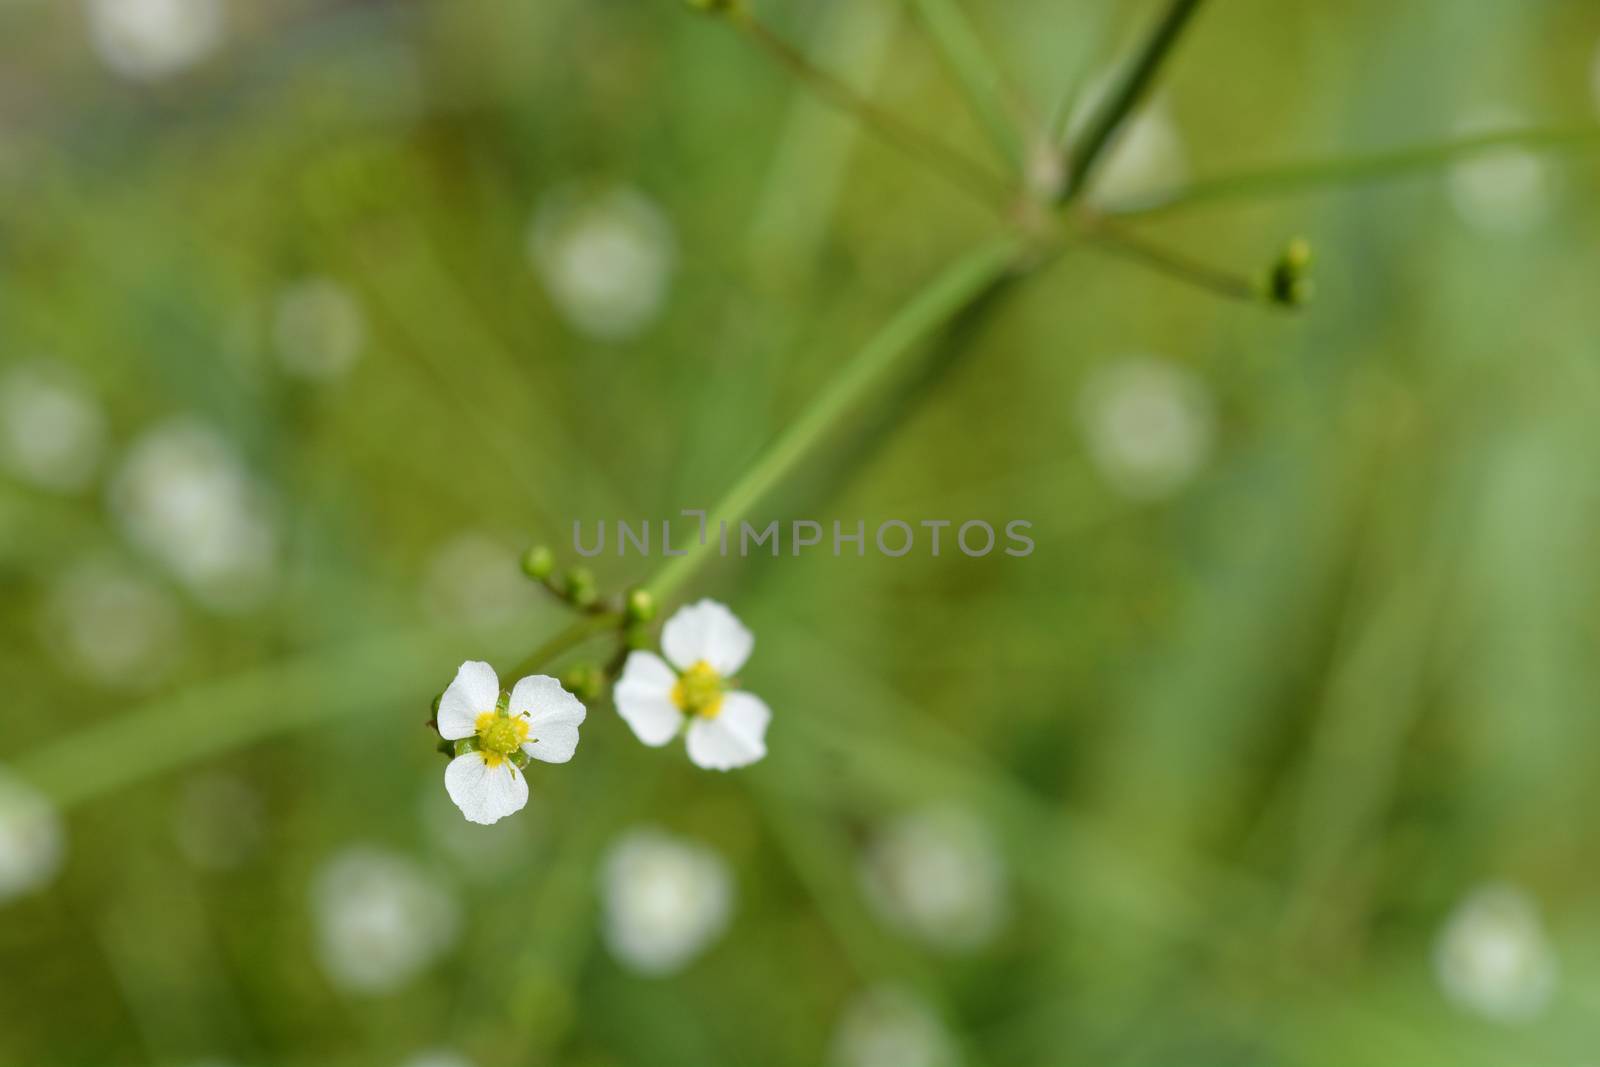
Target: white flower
[(540, 720), (606, 259), (1501, 190), (937, 875), (183, 496), (704, 645), (150, 39), (112, 625), (1492, 957), (1148, 424), (887, 1026), (51, 432), (663, 899), (318, 330), (380, 919), (32, 840)]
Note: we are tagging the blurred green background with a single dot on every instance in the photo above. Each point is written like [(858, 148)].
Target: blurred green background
[(1280, 749)]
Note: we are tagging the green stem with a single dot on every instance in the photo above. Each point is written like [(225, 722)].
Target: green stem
[(933, 307), (980, 79), (939, 158), (1130, 245), (1350, 170), (573, 636), (1125, 95)]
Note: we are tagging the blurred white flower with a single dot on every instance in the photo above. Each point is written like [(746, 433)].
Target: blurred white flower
[(183, 496), (475, 580), (1492, 957), (317, 330), (1501, 190), (219, 821), (539, 721), (937, 875), (32, 839), (438, 1058), (51, 432), (1146, 156), (887, 1026), (705, 645), (606, 258), (380, 919), (663, 900), (112, 626), (150, 39), (1148, 424)]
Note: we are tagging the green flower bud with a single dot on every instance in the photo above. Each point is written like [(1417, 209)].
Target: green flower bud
[(580, 587), (584, 681), (538, 563), (1289, 282), (640, 606)]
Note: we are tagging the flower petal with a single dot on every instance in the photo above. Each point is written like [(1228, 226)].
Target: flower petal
[(643, 697), (485, 794), (475, 691), (553, 717), (736, 737), (706, 631)]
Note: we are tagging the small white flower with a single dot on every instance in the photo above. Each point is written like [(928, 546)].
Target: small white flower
[(32, 839), (380, 919), (183, 496), (705, 645), (663, 899), (112, 625), (318, 330), (1502, 190), (539, 721), (887, 1026), (938, 876), (606, 259), (1148, 424), (150, 39), (51, 432), (1492, 957)]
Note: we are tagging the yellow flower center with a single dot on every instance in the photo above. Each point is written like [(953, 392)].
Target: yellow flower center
[(499, 736), (698, 691)]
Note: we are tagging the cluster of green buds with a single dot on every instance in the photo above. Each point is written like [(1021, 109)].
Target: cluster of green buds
[(1289, 281), (575, 585)]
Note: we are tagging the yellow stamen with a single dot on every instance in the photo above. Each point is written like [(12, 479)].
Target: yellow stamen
[(499, 736), (698, 691)]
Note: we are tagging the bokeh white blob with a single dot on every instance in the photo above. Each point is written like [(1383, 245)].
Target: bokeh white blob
[(52, 432), (112, 626), (1147, 155), (606, 258), (937, 875), (475, 580), (32, 838), (481, 854), (1501, 191), (183, 496), (664, 899), (151, 39), (380, 919), (318, 330), (219, 821), (438, 1058), (1148, 423), (1492, 957), (887, 1026)]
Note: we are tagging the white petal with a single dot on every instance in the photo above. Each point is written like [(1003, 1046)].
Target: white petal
[(475, 691), (706, 631), (736, 737), (553, 717), (485, 794), (644, 698)]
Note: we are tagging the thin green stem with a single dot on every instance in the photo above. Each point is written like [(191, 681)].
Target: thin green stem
[(950, 164), (933, 307), (1126, 93), (574, 635), (1351, 170), (1185, 268), (974, 69)]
